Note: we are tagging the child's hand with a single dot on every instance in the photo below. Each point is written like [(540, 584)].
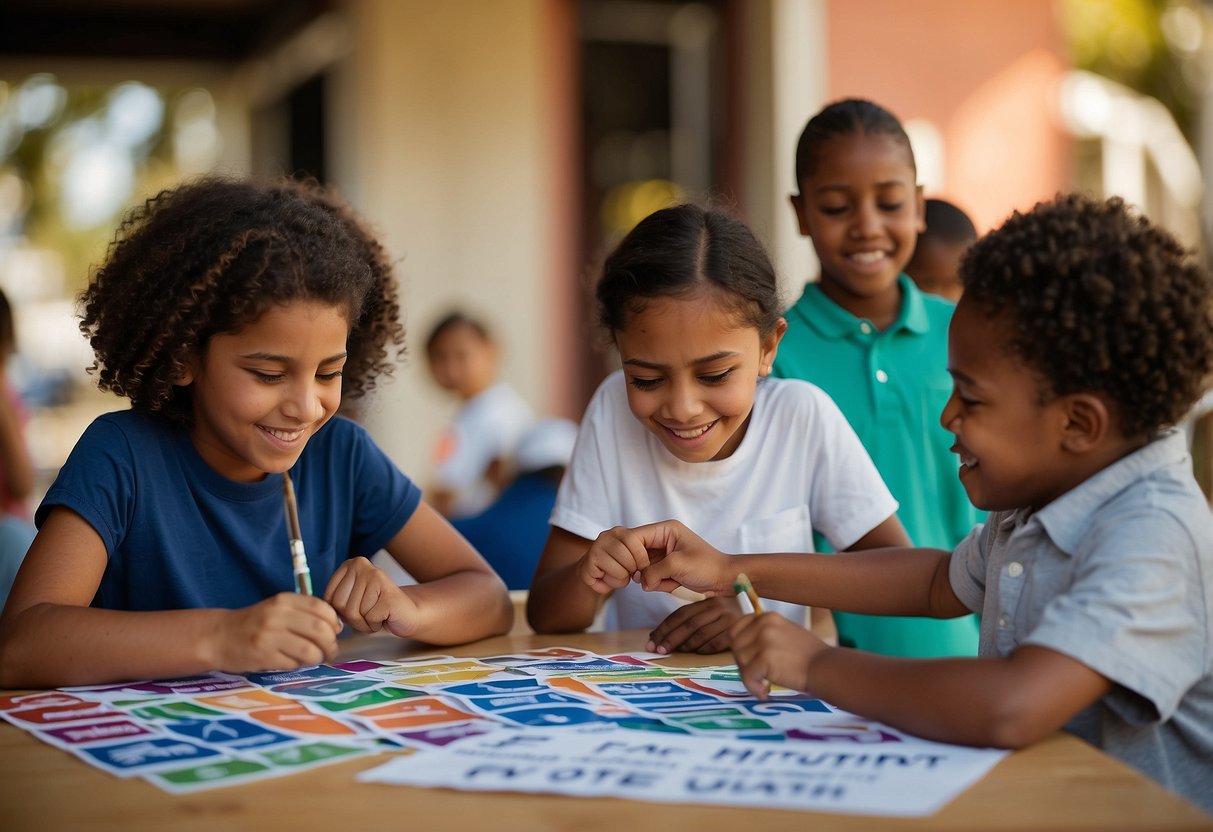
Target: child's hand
[(679, 557), (769, 648), (286, 631), (701, 627), (613, 559), (369, 600)]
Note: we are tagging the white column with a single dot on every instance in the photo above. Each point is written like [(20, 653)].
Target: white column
[(786, 85)]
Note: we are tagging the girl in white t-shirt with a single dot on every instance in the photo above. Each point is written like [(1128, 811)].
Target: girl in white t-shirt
[(693, 428)]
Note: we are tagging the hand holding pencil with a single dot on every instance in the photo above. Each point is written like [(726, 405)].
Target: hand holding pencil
[(770, 648)]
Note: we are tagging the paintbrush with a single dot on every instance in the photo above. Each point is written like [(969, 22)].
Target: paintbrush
[(303, 575)]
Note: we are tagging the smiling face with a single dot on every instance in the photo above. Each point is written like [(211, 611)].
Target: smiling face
[(692, 366), (863, 210), (259, 394), (1010, 437)]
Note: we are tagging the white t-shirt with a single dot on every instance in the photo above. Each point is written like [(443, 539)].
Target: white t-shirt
[(799, 468), (486, 427)]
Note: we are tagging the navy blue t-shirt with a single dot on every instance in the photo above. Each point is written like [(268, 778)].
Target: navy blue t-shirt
[(181, 536)]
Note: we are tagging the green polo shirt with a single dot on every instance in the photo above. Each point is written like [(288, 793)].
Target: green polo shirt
[(892, 387)]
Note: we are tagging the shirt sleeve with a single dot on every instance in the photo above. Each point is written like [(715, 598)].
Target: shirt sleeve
[(385, 497), (967, 567), (97, 482), (584, 497), (1131, 614)]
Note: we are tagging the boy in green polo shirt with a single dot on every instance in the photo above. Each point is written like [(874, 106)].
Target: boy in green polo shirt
[(871, 339)]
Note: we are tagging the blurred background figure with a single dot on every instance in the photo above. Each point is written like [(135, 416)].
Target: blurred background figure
[(474, 453), (935, 266), (510, 533), (16, 467)]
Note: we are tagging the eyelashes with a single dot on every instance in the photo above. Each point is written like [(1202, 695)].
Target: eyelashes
[(651, 383), (275, 378)]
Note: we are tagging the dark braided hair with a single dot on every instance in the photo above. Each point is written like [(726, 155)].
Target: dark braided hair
[(210, 257), (678, 251), (845, 118), (1101, 301)]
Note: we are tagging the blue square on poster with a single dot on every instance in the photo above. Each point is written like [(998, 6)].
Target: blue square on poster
[(144, 755), (229, 733)]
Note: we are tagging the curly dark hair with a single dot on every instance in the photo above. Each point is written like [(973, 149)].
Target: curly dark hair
[(1101, 301), (209, 257), (680, 250)]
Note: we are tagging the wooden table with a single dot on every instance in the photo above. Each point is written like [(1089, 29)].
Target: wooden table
[(1058, 784)]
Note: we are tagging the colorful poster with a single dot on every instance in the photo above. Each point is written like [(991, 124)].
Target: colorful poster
[(914, 778), (604, 721)]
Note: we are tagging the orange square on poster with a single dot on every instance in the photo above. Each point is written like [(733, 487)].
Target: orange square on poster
[(300, 720), (246, 700), (70, 712), (41, 699), (410, 713)]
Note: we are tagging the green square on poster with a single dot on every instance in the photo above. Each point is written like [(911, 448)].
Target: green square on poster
[(719, 719), (212, 772), (175, 710), (302, 755), (379, 696)]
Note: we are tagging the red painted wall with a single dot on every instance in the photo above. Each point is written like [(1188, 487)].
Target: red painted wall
[(984, 72)]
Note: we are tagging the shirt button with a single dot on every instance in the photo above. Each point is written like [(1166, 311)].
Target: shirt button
[(882, 376), (1002, 622), (865, 328), (1015, 569)]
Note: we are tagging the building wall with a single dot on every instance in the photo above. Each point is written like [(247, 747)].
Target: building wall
[(984, 74), (445, 139)]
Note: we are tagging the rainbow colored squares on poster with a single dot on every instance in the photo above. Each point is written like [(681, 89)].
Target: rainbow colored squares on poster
[(219, 729)]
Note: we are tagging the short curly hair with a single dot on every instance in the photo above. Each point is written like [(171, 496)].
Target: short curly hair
[(211, 256), (1101, 301)]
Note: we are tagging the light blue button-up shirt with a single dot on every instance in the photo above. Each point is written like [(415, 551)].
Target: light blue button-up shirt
[(1117, 573)]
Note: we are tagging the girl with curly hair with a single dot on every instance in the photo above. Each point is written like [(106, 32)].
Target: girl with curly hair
[(1084, 334), (234, 315)]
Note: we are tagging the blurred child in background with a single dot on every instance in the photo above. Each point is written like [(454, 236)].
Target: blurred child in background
[(16, 466), (935, 266), (474, 454), (510, 533)]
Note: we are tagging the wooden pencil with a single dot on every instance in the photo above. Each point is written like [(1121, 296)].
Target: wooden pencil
[(742, 584)]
